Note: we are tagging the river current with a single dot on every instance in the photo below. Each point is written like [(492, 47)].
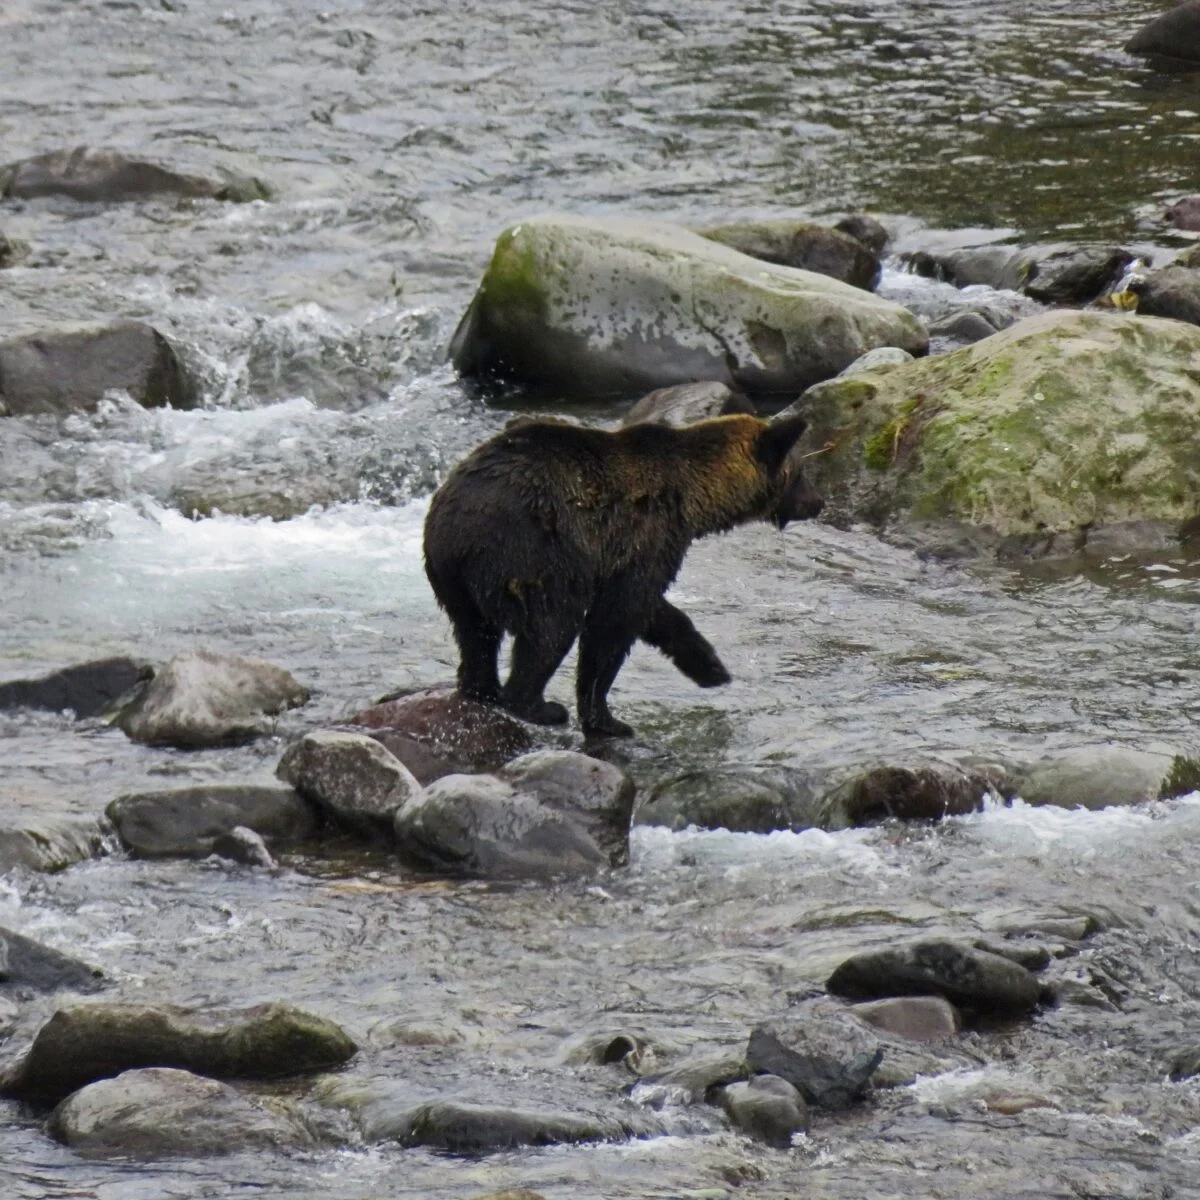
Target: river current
[(399, 139)]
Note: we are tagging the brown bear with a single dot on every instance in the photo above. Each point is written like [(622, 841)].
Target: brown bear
[(552, 531)]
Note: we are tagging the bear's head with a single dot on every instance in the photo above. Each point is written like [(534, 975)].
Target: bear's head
[(796, 500)]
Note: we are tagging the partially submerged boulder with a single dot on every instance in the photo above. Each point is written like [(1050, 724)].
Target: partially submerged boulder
[(613, 306), (1173, 292), (207, 699), (1174, 34), (804, 245), (69, 369), (765, 1107), (48, 841), (742, 800), (686, 403), (1029, 441), (925, 791), (1106, 776), (28, 968), (87, 689)]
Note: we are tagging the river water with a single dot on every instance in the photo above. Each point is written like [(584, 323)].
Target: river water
[(400, 139)]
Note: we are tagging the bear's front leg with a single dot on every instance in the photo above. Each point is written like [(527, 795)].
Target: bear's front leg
[(672, 632)]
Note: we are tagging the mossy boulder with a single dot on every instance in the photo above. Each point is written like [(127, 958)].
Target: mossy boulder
[(1031, 440), (587, 307)]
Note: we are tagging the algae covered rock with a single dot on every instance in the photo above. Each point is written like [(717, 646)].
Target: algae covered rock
[(613, 306), (1030, 440)]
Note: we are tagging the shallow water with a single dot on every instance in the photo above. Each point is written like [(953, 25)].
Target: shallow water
[(400, 139)]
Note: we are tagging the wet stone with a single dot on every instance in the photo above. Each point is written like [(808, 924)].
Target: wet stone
[(12, 250), (48, 843), (692, 1080), (161, 1112), (965, 327), (766, 1107), (28, 968), (244, 846), (917, 1018), (686, 403), (1185, 1063), (1174, 34), (1185, 214), (8, 1016), (186, 822), (1033, 956), (1077, 275), (85, 1042), (922, 792), (1173, 292), (742, 801), (803, 245), (87, 689), (353, 778), (967, 977), (1105, 776)]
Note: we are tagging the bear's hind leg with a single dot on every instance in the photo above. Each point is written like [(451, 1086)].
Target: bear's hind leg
[(672, 632), (534, 661), (478, 647), (604, 645)]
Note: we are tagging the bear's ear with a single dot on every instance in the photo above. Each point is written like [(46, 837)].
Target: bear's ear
[(776, 441)]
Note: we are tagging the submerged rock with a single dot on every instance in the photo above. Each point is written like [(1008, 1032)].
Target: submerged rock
[(188, 821), (1173, 292), (277, 492), (999, 267), (922, 792), (85, 1042), (208, 699), (765, 1107), (612, 306), (87, 689), (12, 250), (162, 1112), (436, 732), (1174, 34), (963, 975), (1106, 776), (28, 968), (804, 245), (245, 846), (686, 403), (353, 778), (1004, 446), (740, 800), (83, 173), (69, 369), (694, 1080)]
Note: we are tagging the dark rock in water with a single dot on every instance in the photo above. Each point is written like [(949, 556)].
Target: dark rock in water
[(8, 1016), (999, 267), (479, 1129), (28, 968), (686, 403), (967, 977), (1077, 275), (353, 778), (1173, 35), (966, 326), (865, 229), (917, 1018), (821, 1050), (765, 1107), (923, 792), (437, 732), (1106, 776), (1185, 214), (69, 369), (187, 821), (207, 699), (244, 846), (40, 842), (1033, 956), (1172, 292), (11, 250), (109, 176), (742, 801), (87, 689), (1185, 1064), (85, 1042), (803, 245), (161, 1112)]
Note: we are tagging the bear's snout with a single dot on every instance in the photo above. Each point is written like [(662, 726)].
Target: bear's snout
[(799, 502)]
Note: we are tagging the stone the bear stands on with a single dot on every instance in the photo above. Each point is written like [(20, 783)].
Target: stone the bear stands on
[(551, 531)]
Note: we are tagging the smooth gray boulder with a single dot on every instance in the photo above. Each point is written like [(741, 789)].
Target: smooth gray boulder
[(186, 822), (28, 968), (965, 326), (687, 403), (876, 360), (916, 1018), (207, 699), (162, 1112), (87, 689), (1106, 776), (617, 307), (69, 369), (741, 800), (766, 1107), (804, 245), (967, 977), (9, 1013), (358, 782)]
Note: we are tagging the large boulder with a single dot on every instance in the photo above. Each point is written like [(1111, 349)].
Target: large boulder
[(162, 1112), (1033, 440), (613, 306), (85, 1042), (804, 245), (1174, 34), (1172, 292), (82, 173), (207, 699), (69, 369), (87, 689)]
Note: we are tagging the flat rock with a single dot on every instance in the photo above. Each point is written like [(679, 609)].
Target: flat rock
[(963, 975), (766, 1107), (69, 369), (161, 1112), (804, 245), (85, 1042), (87, 689), (687, 403), (1105, 776), (28, 968), (920, 792), (358, 782), (740, 800), (596, 306), (916, 1018), (185, 822), (207, 699)]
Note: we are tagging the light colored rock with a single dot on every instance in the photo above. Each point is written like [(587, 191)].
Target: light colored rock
[(48, 842), (917, 1018), (766, 1107), (687, 403), (621, 306), (1106, 776), (209, 699), (877, 360)]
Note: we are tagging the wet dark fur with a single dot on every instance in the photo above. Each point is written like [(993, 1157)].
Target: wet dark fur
[(551, 531)]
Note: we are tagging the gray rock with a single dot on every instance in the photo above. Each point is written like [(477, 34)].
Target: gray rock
[(616, 306), (1173, 292), (353, 778), (85, 1042), (967, 977), (12, 250), (87, 689), (109, 176), (740, 800), (1078, 274), (1105, 776), (244, 846), (998, 267), (686, 403), (804, 245), (1174, 34), (1185, 214), (916, 1018), (821, 1050), (921, 792), (185, 822), (8, 1016), (46, 842), (69, 369), (692, 1081), (1033, 956), (28, 968), (161, 1112), (208, 699), (877, 360), (1185, 1063), (276, 491), (865, 229), (966, 326), (766, 1107)]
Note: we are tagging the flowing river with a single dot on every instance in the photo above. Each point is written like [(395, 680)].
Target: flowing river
[(399, 140)]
